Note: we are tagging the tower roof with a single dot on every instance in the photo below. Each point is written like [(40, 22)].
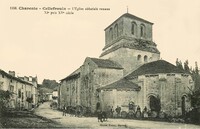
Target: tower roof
[(128, 15)]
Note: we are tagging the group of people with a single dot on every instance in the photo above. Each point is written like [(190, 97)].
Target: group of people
[(73, 111), (103, 115)]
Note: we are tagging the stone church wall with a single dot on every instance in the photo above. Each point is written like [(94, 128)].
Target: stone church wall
[(127, 28), (94, 77), (169, 90), (116, 97), (128, 58), (70, 92)]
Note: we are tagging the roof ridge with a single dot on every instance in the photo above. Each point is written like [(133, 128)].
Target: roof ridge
[(121, 84), (106, 63), (128, 15), (155, 67), (13, 77)]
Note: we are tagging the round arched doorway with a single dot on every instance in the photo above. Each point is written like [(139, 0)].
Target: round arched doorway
[(154, 103)]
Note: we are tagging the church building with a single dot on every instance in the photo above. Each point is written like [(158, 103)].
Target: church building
[(128, 71)]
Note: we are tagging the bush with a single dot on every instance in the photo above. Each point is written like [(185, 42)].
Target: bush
[(4, 100)]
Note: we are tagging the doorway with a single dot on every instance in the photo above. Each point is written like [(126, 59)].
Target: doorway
[(154, 103), (98, 106)]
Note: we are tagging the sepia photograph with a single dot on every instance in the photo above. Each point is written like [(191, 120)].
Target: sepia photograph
[(113, 64)]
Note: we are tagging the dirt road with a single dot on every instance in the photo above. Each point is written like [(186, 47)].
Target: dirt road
[(91, 122)]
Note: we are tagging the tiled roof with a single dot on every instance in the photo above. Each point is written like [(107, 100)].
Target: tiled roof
[(74, 74), (105, 63), (122, 84), (159, 66), (14, 78), (130, 16), (71, 76), (138, 44)]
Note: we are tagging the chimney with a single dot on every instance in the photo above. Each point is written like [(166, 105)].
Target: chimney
[(12, 73), (30, 78)]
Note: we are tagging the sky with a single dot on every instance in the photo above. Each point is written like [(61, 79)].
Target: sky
[(33, 43)]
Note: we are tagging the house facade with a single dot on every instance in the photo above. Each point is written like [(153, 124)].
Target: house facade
[(24, 91), (129, 71)]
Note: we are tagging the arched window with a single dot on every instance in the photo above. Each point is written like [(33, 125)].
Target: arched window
[(133, 28), (184, 98), (116, 31), (145, 58), (139, 57), (111, 34), (142, 31)]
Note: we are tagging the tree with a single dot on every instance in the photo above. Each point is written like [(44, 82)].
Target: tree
[(196, 76), (196, 68), (4, 99), (186, 66), (51, 84), (195, 98), (179, 64)]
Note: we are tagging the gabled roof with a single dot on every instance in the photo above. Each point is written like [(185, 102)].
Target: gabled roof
[(14, 78), (121, 84), (155, 67), (71, 76), (129, 16), (106, 63), (74, 74)]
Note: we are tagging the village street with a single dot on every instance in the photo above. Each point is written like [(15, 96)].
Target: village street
[(91, 122)]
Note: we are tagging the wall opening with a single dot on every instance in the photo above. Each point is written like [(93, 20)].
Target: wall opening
[(98, 106), (145, 58), (142, 31), (133, 28), (139, 57), (154, 103), (183, 105)]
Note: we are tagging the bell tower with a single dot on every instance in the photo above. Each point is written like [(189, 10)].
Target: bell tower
[(128, 41)]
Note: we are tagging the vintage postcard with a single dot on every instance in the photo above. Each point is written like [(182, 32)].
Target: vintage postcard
[(100, 64)]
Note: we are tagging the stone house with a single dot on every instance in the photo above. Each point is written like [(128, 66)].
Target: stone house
[(129, 70), (21, 90)]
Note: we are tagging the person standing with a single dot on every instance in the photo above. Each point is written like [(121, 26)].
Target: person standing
[(118, 110), (64, 110), (111, 111)]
